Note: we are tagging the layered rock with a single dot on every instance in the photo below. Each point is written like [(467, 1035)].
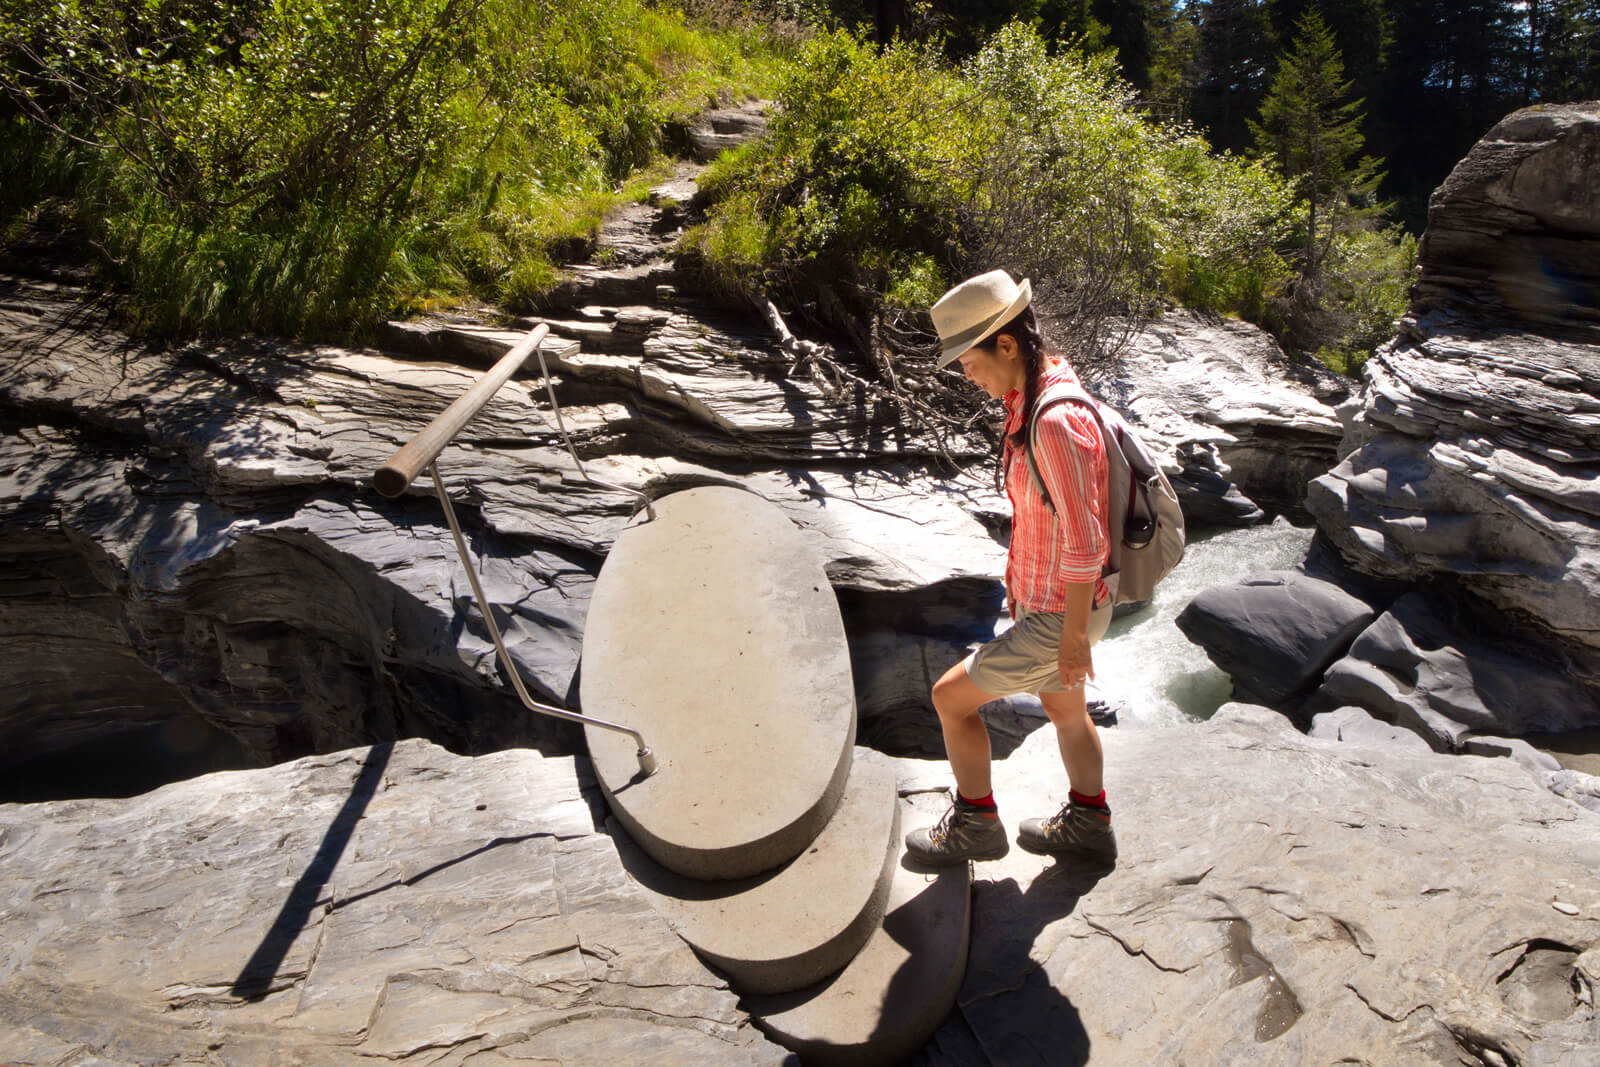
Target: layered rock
[(1349, 901), (196, 522), (1467, 487), (1511, 231), (1228, 410), (1474, 455), (210, 506)]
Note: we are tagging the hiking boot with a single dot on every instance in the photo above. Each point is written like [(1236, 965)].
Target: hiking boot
[(966, 832), (1077, 830)]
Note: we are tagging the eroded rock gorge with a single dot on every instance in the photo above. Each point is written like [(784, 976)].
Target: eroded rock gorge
[(198, 570)]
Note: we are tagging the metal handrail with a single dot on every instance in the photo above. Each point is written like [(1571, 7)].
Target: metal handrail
[(396, 475)]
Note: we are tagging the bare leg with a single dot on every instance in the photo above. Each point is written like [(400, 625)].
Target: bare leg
[(957, 698), (1077, 738)]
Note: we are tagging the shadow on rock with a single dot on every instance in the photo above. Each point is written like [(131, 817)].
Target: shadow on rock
[(1014, 1010), (259, 976)]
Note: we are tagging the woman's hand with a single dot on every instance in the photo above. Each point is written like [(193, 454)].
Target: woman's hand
[(1074, 660)]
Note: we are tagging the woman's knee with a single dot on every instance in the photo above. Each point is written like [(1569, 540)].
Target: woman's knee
[(956, 695), (1065, 713)]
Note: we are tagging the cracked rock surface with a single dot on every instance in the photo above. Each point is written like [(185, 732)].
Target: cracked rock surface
[(1283, 899), (1279, 899), (390, 904)]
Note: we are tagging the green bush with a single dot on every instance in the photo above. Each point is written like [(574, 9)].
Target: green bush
[(306, 165), (1365, 278), (888, 174)]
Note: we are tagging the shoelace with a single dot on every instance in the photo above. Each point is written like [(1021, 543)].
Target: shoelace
[(1057, 822), (941, 829)]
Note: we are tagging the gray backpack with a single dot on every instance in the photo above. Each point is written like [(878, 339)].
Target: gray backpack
[(1146, 523)]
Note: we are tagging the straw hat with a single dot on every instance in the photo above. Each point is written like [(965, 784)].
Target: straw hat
[(976, 308)]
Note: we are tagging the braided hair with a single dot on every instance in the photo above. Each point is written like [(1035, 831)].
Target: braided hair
[(1024, 329)]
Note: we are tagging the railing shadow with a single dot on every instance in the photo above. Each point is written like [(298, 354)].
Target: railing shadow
[(256, 978)]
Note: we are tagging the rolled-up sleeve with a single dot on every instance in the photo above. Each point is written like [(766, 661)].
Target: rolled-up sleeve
[(1072, 464)]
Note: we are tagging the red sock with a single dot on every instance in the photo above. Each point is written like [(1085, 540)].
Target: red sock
[(1090, 802), (986, 802)]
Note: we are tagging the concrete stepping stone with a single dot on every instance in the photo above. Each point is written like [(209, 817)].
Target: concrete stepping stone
[(898, 989), (713, 630), (795, 926)]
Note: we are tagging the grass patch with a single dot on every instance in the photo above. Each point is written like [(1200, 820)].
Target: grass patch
[(311, 166)]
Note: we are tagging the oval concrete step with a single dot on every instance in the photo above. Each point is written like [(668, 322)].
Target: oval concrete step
[(896, 992), (712, 630), (795, 926)]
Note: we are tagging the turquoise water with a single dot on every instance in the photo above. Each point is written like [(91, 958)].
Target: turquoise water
[(1146, 667)]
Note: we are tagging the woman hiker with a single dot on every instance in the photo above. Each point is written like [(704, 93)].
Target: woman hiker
[(1058, 603)]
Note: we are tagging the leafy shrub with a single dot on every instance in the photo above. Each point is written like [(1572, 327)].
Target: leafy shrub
[(303, 165), (888, 174)]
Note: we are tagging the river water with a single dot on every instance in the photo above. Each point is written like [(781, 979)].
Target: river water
[(1146, 667)]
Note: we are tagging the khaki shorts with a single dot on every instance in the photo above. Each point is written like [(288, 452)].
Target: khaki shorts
[(1025, 659)]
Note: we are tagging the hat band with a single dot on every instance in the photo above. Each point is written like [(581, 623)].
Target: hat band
[(971, 334)]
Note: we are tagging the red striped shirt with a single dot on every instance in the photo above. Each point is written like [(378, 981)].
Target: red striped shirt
[(1050, 551)]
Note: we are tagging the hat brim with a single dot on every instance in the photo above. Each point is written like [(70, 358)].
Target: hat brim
[(955, 346)]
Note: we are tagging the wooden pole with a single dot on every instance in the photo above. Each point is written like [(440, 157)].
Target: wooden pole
[(412, 459)]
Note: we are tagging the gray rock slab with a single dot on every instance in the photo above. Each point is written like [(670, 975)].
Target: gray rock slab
[(1275, 632), (1235, 418), (796, 926), (1396, 900), (385, 902), (896, 992), (1354, 725), (1415, 669), (713, 631), (1417, 907)]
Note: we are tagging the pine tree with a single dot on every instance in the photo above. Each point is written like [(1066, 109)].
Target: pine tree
[(1564, 39), (1312, 132), (1236, 46)]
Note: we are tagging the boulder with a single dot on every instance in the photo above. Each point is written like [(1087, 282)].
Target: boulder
[(721, 128), (1511, 231), (1274, 633), (1416, 669)]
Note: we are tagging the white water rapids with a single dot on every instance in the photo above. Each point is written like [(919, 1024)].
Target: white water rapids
[(1146, 668)]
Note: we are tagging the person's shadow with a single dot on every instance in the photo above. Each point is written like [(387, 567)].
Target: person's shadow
[(1015, 1013)]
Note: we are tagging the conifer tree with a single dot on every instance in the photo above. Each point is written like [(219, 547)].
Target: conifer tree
[(1564, 40), (1312, 132), (1236, 46)]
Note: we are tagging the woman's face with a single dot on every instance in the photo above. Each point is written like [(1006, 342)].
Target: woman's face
[(997, 371)]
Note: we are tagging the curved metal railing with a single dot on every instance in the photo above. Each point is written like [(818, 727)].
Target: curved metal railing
[(393, 478)]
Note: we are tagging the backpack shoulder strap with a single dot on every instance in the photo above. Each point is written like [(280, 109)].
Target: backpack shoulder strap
[(1059, 393)]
